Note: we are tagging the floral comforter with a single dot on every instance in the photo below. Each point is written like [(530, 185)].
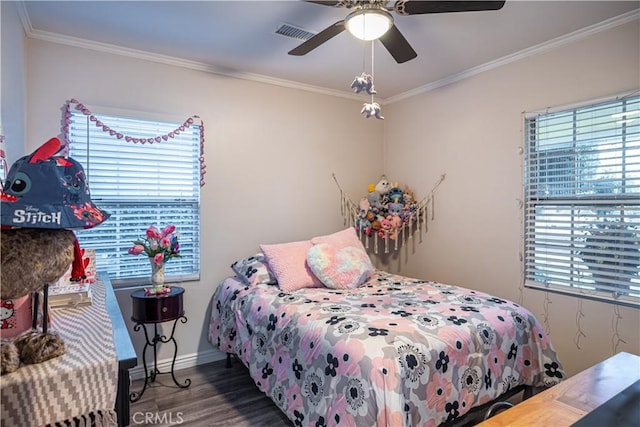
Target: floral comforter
[(395, 352)]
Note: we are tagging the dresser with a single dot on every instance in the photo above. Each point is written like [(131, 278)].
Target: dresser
[(90, 380), (577, 397)]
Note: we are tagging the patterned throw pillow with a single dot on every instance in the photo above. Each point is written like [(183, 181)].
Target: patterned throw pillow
[(341, 239), (344, 239), (253, 270), (345, 268), (288, 262)]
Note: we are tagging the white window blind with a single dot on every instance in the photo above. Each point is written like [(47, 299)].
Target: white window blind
[(582, 201), (139, 185)]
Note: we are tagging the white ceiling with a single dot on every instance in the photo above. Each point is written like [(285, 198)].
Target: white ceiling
[(238, 37)]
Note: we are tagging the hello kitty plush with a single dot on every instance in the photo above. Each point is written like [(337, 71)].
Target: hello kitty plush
[(6, 313)]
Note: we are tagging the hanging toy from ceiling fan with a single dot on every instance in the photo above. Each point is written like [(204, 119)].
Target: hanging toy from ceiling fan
[(364, 83), (371, 109)]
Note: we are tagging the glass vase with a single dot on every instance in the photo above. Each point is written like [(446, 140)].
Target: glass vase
[(157, 276)]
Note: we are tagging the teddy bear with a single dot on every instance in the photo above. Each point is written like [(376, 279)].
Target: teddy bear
[(44, 197), (385, 228)]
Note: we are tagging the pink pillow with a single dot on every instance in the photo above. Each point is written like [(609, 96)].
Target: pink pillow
[(341, 239), (345, 268), (288, 262)]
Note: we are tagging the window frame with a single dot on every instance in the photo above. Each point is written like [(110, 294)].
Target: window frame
[(604, 206), (163, 205)]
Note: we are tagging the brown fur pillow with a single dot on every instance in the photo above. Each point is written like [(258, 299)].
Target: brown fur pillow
[(33, 257), (9, 356)]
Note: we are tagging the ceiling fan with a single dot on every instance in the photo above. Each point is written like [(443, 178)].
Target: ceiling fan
[(371, 20)]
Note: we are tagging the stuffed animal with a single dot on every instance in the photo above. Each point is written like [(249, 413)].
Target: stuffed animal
[(394, 209), (383, 186), (364, 206), (6, 312), (395, 195), (43, 198), (363, 224), (396, 225), (375, 201), (385, 228), (363, 82), (372, 109)]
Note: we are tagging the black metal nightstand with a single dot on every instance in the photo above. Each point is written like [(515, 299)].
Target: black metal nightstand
[(155, 309)]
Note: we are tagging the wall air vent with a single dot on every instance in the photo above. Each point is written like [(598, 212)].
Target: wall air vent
[(294, 32)]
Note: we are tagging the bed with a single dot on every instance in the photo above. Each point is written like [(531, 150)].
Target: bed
[(394, 351)]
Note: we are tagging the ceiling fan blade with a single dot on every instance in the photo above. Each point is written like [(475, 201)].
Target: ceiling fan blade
[(318, 39), (414, 7), (397, 45), (324, 3)]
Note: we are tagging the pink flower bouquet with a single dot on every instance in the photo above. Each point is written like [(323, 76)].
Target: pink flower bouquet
[(159, 245)]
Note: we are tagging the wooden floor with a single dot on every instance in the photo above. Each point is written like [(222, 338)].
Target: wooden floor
[(217, 397)]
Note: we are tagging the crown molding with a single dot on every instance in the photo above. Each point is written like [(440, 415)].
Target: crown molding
[(525, 53), (165, 59), (200, 66), (179, 62)]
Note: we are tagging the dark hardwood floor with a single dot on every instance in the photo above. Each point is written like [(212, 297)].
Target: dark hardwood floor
[(218, 396)]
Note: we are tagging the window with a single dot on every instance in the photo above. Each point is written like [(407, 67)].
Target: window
[(139, 184), (582, 201)]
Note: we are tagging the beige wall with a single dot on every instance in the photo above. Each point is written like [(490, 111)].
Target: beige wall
[(270, 152), (12, 83), (472, 131)]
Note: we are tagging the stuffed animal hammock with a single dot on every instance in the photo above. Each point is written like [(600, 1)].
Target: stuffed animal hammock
[(389, 213)]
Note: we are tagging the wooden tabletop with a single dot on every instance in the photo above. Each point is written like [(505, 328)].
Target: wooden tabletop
[(567, 402)]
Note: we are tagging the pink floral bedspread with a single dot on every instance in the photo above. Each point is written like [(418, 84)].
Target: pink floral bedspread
[(395, 352)]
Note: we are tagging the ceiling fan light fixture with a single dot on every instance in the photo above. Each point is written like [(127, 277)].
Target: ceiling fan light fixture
[(369, 24)]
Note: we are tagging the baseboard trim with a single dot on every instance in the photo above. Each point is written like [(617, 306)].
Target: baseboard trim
[(182, 362)]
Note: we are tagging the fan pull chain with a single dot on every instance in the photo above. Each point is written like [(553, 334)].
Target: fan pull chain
[(373, 76), (364, 58)]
